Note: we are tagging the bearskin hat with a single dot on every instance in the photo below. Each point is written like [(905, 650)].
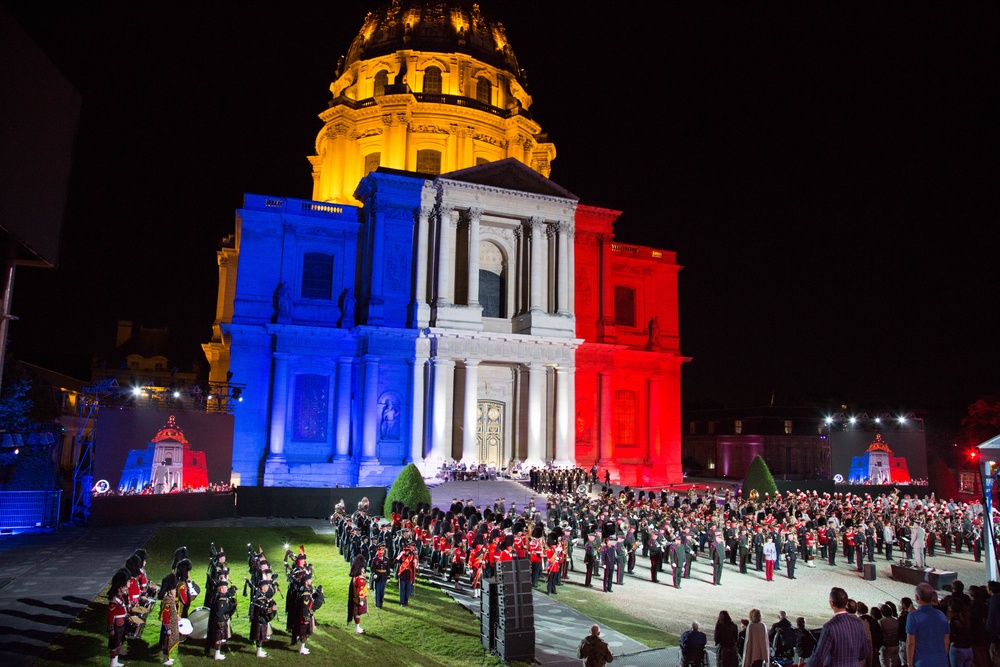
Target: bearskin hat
[(118, 581), (435, 512), (487, 514), (507, 523), (520, 526), (357, 565), (133, 565), (538, 531), (508, 540), (182, 569), (141, 553), (179, 554), (495, 534), (168, 583), (478, 540)]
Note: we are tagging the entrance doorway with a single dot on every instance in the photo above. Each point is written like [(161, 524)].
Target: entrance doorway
[(490, 433)]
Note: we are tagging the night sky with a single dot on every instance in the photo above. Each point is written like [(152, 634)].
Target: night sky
[(826, 172)]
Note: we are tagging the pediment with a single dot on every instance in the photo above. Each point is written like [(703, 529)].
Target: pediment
[(510, 174)]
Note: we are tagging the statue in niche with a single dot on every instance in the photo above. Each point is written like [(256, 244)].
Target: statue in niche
[(348, 302), (389, 424), (283, 301), (654, 335)]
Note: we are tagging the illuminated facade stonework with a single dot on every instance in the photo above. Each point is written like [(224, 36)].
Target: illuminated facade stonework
[(441, 298)]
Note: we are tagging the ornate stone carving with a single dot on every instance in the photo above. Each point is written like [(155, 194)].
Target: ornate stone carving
[(373, 132), (387, 119)]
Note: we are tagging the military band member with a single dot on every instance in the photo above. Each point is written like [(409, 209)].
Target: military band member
[(678, 557), (117, 614), (223, 606), (718, 558), (357, 595), (170, 634), (263, 609), (380, 573)]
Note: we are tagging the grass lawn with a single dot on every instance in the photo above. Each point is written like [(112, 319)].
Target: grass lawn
[(433, 630), (588, 601)]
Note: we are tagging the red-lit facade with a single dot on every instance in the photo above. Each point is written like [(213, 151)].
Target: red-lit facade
[(629, 366)]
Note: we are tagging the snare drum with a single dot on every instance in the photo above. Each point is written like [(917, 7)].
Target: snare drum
[(184, 626)]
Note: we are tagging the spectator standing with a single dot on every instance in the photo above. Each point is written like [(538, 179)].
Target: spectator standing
[(959, 633), (905, 605), (890, 637), (725, 639), (843, 642), (805, 643), (594, 650), (756, 652), (927, 631)]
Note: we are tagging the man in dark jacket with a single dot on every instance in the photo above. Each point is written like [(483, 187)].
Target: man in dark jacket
[(595, 650)]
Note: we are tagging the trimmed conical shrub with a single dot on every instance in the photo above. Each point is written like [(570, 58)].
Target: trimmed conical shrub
[(409, 489), (759, 478)]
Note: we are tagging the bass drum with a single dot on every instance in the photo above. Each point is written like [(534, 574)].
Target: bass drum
[(199, 623)]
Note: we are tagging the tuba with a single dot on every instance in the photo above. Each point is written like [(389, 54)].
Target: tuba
[(754, 495), (581, 489)]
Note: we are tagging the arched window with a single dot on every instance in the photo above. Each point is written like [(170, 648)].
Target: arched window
[(492, 283), (484, 91), (317, 276), (429, 161), (381, 79), (432, 80)]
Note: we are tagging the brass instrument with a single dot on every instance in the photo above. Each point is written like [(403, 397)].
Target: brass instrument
[(754, 495)]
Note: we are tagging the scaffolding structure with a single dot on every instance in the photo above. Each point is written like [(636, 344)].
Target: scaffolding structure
[(108, 394)]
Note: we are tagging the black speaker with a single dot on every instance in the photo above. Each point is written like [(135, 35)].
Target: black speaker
[(516, 645), (869, 571), (489, 614)]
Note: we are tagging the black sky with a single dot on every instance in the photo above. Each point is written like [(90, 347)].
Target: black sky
[(827, 173)]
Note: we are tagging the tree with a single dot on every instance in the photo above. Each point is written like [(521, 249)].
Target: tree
[(409, 489), (15, 404), (759, 478)]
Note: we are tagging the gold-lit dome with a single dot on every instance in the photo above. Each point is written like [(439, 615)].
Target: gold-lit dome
[(442, 26), (427, 86)]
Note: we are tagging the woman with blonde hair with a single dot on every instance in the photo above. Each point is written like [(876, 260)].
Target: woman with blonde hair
[(756, 652)]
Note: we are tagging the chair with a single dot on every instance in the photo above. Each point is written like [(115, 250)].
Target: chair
[(693, 657)]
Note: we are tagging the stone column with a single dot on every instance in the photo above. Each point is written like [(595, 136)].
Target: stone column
[(342, 449), (563, 275), (369, 410), (279, 409), (565, 417), (475, 215), (420, 311), (446, 259), (439, 430), (535, 279), (536, 414), (470, 412), (417, 423), (571, 263), (607, 444)]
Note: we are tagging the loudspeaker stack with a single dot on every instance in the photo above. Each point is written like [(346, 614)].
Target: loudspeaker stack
[(507, 620)]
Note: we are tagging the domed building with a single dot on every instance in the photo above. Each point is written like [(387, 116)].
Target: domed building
[(440, 299), (431, 87)]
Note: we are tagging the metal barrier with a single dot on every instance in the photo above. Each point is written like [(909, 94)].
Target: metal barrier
[(25, 511)]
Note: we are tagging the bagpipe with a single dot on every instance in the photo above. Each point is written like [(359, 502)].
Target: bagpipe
[(262, 602)]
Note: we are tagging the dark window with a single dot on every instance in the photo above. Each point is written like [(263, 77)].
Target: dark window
[(381, 79), (317, 276), (484, 91), (429, 161), (491, 293), (432, 80), (311, 402), (624, 417), (624, 306)]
